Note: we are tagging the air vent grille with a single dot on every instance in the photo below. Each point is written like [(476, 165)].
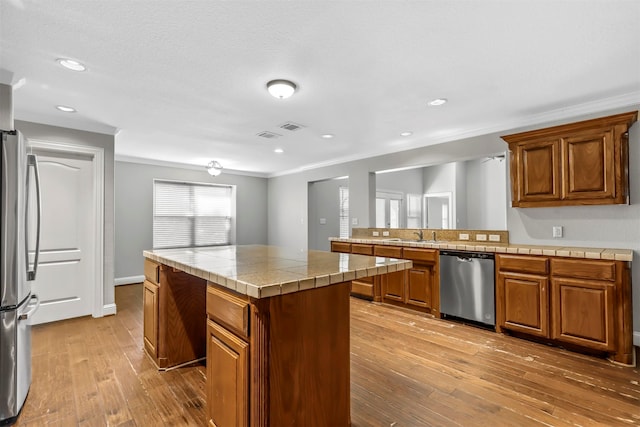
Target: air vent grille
[(268, 135), (291, 126)]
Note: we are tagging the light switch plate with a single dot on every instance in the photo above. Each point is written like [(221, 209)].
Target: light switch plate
[(481, 237), (354, 221), (385, 233), (463, 236), (494, 237), (557, 231), (375, 233), (323, 221)]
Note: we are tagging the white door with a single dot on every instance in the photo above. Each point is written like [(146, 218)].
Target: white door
[(64, 280)]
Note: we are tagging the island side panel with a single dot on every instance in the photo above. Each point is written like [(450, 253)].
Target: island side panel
[(182, 318), (305, 337)]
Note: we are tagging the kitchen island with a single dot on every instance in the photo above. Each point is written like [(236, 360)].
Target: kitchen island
[(272, 322)]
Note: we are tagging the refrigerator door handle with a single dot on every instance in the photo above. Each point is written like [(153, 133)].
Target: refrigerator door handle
[(32, 161), (33, 309)]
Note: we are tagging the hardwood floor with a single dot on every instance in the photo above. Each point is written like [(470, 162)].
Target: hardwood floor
[(407, 370)]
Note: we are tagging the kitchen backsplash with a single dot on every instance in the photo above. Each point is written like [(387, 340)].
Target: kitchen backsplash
[(489, 236)]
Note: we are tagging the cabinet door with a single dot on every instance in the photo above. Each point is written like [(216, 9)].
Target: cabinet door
[(393, 286), (227, 378), (538, 171), (583, 312), (588, 165), (150, 317), (420, 285), (524, 304)]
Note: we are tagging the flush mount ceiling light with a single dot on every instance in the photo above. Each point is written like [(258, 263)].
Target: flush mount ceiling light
[(281, 88), (278, 150), (66, 109), (328, 136), (406, 133), (214, 168), (71, 64), (438, 101)]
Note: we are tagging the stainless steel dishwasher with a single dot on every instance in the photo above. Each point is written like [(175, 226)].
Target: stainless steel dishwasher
[(467, 286)]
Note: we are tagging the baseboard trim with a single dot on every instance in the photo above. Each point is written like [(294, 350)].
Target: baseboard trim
[(128, 280), (636, 338), (109, 309)]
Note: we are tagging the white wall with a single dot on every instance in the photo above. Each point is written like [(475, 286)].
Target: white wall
[(592, 226), (324, 202), (89, 139), (134, 210)]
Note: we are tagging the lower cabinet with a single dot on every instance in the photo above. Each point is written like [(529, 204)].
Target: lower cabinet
[(525, 303), (421, 281), (150, 314), (393, 286), (583, 313), (227, 377), (578, 302)]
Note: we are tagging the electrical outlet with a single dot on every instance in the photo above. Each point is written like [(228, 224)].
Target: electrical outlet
[(375, 233), (481, 237), (557, 231), (463, 236), (385, 233), (323, 221), (494, 237), (354, 221)]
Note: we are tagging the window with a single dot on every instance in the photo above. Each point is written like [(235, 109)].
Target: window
[(189, 214), (344, 211), (414, 211)]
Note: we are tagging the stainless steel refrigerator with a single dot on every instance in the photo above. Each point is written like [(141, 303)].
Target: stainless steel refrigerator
[(19, 251)]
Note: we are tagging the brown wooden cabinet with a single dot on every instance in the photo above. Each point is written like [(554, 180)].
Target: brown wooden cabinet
[(150, 313), (522, 294), (584, 163), (586, 306), (227, 377), (172, 325), (365, 286)]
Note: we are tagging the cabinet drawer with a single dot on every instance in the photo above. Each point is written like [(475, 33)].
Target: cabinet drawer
[(523, 264), (230, 310), (362, 288), (357, 248), (584, 269), (420, 254), (388, 251), (152, 271), (341, 247)]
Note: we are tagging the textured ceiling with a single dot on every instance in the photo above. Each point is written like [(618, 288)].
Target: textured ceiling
[(184, 81)]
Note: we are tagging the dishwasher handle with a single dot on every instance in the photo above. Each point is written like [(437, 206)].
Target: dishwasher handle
[(467, 256)]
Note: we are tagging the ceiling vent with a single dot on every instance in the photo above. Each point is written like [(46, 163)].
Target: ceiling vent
[(268, 135), (291, 126)]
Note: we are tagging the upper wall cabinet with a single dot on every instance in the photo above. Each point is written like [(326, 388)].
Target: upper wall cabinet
[(584, 163)]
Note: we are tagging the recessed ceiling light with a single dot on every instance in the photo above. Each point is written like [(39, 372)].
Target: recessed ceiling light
[(66, 109), (281, 88), (438, 101), (71, 64), (406, 133), (328, 135), (278, 150)]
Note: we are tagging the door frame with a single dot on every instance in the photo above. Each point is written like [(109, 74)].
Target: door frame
[(97, 159)]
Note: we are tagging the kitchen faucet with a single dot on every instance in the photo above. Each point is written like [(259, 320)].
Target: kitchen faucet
[(419, 234)]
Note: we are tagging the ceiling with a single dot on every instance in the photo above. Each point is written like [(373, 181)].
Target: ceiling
[(184, 81)]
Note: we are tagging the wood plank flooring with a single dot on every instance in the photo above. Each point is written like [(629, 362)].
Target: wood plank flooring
[(407, 370)]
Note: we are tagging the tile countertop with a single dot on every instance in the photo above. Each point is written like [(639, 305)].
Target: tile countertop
[(571, 252), (264, 271)]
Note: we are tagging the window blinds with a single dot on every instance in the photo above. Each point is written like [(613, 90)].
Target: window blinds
[(344, 212), (190, 214)]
